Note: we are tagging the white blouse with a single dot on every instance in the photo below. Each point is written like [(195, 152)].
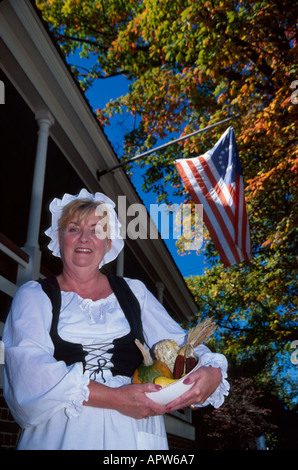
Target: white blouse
[(46, 397)]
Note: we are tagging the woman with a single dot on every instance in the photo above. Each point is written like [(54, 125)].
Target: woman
[(91, 403)]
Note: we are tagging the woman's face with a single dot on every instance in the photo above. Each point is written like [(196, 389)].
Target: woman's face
[(83, 244)]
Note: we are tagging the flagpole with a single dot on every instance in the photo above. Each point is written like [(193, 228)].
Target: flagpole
[(99, 174)]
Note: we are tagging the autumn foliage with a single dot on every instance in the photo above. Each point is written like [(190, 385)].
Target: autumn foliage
[(192, 63)]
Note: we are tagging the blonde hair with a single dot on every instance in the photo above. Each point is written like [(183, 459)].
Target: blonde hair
[(83, 208)]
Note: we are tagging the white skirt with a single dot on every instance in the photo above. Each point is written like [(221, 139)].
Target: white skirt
[(96, 429)]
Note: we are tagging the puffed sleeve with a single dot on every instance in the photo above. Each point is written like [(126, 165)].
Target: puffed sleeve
[(35, 384), (159, 325)]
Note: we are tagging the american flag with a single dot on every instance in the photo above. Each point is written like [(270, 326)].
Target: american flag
[(215, 181)]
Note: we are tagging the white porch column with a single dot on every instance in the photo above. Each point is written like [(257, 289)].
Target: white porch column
[(45, 121), (160, 288)]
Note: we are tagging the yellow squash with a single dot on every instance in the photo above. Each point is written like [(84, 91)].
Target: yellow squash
[(163, 381)]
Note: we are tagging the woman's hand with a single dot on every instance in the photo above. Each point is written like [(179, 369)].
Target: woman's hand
[(130, 400), (205, 380)]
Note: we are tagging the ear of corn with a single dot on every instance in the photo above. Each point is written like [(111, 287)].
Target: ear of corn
[(201, 332), (186, 359), (166, 351)]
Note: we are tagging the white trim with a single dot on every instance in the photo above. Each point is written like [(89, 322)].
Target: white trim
[(13, 255), (7, 286), (179, 428)]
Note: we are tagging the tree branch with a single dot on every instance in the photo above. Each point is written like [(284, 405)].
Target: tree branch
[(82, 41), (97, 75)]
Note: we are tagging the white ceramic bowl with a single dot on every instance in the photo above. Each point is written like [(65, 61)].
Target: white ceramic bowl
[(171, 391)]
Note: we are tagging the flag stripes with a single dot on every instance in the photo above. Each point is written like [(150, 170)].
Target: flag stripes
[(215, 180)]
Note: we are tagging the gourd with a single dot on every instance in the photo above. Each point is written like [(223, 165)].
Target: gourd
[(164, 381), (150, 369)]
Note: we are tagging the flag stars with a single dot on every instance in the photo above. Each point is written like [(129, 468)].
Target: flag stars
[(221, 159), (221, 163)]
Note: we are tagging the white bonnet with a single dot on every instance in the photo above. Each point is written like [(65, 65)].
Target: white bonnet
[(56, 207)]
